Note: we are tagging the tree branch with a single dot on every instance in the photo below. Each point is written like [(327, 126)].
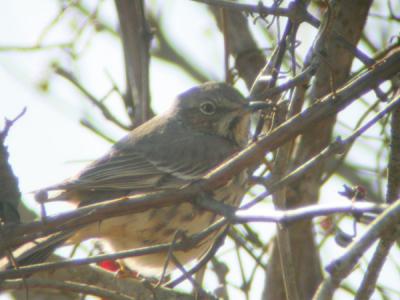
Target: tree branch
[(9, 193), (248, 59), (253, 153), (98, 104), (66, 286), (370, 278), (98, 278), (341, 267), (283, 217), (261, 9), (136, 38), (332, 70)]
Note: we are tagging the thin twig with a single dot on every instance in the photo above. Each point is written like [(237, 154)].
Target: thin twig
[(341, 267), (203, 261), (178, 234), (283, 234), (283, 217), (67, 286), (10, 123), (86, 123), (339, 146), (103, 109), (199, 290), (370, 278), (34, 47), (252, 153), (259, 9)]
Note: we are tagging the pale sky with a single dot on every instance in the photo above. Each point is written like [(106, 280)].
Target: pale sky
[(47, 144)]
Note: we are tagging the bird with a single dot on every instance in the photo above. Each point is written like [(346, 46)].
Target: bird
[(204, 126)]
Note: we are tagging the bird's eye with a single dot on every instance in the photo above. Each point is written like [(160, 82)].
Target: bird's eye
[(208, 108)]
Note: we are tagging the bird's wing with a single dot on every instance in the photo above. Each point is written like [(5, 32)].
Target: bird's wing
[(142, 167), (189, 158)]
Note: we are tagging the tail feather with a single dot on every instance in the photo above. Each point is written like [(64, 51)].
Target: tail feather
[(35, 252), (44, 196)]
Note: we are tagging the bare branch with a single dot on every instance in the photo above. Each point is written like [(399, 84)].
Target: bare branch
[(341, 267), (66, 286), (34, 47), (248, 58), (370, 279), (292, 156), (332, 70), (95, 130), (97, 103), (9, 192), (284, 217), (253, 153), (368, 283), (167, 51), (260, 9), (104, 280), (393, 190), (136, 38)]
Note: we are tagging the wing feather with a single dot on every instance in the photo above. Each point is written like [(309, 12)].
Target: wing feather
[(141, 167)]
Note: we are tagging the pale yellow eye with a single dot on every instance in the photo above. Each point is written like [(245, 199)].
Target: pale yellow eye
[(208, 108)]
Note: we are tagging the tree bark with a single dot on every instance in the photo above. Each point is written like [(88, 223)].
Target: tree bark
[(349, 21)]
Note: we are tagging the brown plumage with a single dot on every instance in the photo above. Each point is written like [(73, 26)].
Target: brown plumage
[(206, 125)]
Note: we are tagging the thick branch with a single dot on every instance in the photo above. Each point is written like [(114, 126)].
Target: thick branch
[(283, 217), (66, 286), (332, 70), (9, 192), (326, 107), (393, 190), (136, 38), (370, 279), (248, 59), (98, 279)]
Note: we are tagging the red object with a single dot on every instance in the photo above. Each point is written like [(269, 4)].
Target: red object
[(109, 265), (326, 224)]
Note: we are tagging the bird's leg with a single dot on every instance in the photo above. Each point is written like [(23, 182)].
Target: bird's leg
[(124, 272)]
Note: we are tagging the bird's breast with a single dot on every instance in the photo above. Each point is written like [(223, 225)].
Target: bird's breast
[(159, 226)]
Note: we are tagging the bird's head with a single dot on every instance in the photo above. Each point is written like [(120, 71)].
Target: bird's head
[(216, 108)]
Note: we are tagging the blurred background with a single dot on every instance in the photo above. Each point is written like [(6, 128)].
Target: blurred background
[(57, 57)]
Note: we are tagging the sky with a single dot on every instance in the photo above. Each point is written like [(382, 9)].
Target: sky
[(48, 144)]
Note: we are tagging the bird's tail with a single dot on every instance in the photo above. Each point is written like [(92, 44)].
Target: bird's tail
[(34, 252)]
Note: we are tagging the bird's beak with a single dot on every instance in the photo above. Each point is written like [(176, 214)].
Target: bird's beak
[(257, 105)]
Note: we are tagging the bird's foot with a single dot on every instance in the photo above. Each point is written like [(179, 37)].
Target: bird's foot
[(125, 272)]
